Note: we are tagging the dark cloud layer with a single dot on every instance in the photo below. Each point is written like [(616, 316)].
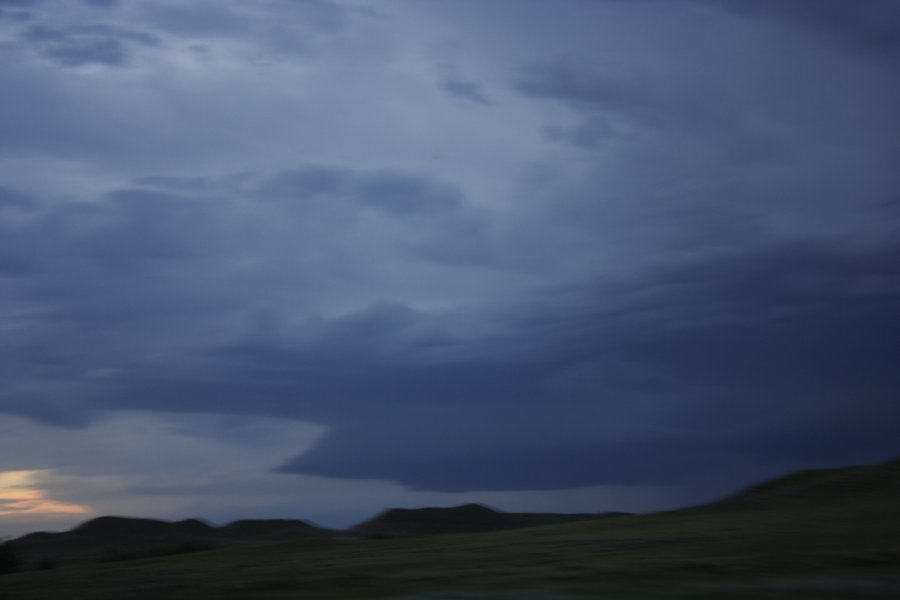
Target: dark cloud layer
[(736, 354), (466, 90), (739, 357), (89, 44), (623, 261), (872, 26)]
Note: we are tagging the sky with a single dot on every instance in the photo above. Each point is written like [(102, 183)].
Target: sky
[(318, 258)]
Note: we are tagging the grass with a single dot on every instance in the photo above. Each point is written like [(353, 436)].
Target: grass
[(829, 546)]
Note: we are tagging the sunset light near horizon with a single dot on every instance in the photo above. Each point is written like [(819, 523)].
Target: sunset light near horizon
[(21, 494)]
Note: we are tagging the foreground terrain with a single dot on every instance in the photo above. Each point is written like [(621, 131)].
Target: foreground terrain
[(820, 534)]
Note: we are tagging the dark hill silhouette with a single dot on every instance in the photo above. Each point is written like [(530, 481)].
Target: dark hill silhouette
[(420, 521), (814, 534), (857, 483), (468, 518), (876, 487), (273, 530), (126, 527), (117, 538)]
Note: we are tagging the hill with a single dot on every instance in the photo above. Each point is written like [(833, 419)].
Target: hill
[(468, 518), (109, 528), (817, 487), (111, 538), (422, 521), (272, 530), (822, 534)]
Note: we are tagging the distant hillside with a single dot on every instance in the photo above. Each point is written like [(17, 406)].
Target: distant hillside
[(273, 530), (468, 518), (113, 538), (821, 486), (420, 521), (119, 538), (831, 533), (129, 528), (866, 488)]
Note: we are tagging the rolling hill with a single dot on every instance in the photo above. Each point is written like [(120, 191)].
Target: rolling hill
[(468, 518), (838, 485), (831, 533), (108, 539)]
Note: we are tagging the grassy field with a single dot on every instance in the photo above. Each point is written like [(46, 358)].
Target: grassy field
[(843, 543)]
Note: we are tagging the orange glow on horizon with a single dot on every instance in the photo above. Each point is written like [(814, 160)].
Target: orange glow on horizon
[(21, 494)]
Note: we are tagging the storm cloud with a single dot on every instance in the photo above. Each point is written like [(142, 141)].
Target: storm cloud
[(452, 263)]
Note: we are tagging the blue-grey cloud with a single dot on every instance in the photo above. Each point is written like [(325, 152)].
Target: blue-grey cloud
[(87, 44), (758, 351), (872, 26), (17, 4), (392, 193), (756, 341), (758, 345), (646, 255), (869, 26), (466, 90), (445, 229), (291, 27), (11, 199)]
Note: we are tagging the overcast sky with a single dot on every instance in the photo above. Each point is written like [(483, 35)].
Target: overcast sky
[(317, 258)]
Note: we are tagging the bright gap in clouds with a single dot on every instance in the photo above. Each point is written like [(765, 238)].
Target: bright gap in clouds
[(21, 494)]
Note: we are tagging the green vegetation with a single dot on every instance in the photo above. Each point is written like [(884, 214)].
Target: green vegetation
[(814, 538), (10, 559), (115, 555), (113, 539)]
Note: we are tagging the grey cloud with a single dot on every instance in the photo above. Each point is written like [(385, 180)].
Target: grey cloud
[(872, 26), (131, 229), (603, 101), (375, 331), (17, 10), (615, 107), (176, 184), (115, 273), (15, 255), (705, 284), (87, 44), (401, 194), (14, 14), (447, 229), (145, 226), (59, 413), (760, 343), (90, 276), (762, 348), (589, 134), (14, 264), (393, 193), (663, 461), (311, 181), (282, 26), (15, 200), (49, 118), (466, 90), (637, 100), (199, 19), (572, 84)]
